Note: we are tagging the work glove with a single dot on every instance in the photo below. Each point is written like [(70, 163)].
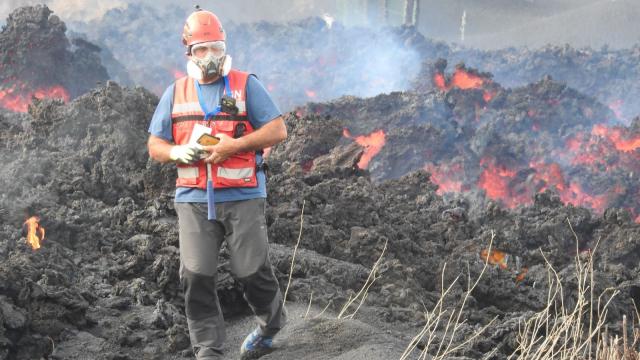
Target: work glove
[(186, 154)]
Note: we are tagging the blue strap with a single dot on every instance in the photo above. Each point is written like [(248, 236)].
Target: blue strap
[(226, 86), (209, 114), (211, 202)]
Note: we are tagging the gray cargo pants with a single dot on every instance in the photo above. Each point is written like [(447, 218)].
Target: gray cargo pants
[(243, 226)]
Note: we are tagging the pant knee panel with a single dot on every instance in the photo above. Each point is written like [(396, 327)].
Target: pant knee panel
[(261, 287), (200, 297)]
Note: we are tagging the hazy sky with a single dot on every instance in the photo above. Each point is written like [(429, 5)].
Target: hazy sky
[(488, 23)]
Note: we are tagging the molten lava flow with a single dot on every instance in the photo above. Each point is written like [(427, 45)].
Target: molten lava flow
[(465, 80), (461, 79), (372, 144), (605, 148), (448, 178), (35, 232), (550, 174), (18, 97), (439, 81), (618, 136), (576, 196), (495, 257), (495, 180)]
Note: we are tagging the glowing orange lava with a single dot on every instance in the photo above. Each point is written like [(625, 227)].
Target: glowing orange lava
[(551, 174), (463, 80), (618, 136), (495, 179), (439, 81), (448, 178), (17, 98), (576, 196), (35, 232), (371, 143)]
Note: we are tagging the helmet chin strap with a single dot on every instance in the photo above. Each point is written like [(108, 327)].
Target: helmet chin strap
[(196, 72)]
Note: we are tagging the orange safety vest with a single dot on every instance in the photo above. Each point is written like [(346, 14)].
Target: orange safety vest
[(237, 171)]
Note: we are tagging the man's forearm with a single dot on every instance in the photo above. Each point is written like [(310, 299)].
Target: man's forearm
[(268, 135), (159, 149)]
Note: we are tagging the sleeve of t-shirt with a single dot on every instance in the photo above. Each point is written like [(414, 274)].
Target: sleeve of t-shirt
[(260, 106), (161, 121)]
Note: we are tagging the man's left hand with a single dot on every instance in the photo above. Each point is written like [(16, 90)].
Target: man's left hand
[(222, 150)]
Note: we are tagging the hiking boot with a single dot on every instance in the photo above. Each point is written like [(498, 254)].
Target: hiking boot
[(256, 345), (205, 353)]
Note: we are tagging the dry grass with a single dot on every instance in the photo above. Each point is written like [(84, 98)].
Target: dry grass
[(556, 332), (361, 296), (577, 332), (439, 344), (293, 257)]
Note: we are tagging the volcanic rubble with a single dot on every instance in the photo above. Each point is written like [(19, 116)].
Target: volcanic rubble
[(104, 283), (38, 59), (426, 178)]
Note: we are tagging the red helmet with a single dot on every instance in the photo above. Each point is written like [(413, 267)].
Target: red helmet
[(202, 26)]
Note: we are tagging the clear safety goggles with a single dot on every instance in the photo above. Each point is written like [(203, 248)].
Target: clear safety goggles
[(217, 48)]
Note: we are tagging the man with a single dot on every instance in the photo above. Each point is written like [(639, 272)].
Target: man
[(234, 107)]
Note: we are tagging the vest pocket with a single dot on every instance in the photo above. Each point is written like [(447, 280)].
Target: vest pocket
[(237, 171), (187, 176)]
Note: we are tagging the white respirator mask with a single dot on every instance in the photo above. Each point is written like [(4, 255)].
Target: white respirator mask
[(208, 60)]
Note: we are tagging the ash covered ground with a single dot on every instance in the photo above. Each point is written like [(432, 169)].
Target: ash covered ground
[(104, 284)]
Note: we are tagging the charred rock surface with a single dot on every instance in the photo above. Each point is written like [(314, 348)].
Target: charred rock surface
[(105, 280), (472, 134)]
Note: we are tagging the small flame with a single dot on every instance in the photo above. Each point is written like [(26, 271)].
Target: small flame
[(495, 257), (500, 258), (521, 275), (372, 144), (35, 232), (310, 93)]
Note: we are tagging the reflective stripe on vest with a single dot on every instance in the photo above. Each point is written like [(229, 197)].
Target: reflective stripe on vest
[(237, 171)]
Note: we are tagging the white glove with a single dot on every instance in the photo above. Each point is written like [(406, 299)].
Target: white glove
[(186, 154)]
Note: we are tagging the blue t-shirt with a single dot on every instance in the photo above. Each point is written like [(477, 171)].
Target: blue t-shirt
[(260, 109)]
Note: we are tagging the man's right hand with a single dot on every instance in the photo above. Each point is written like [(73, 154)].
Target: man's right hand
[(186, 154)]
